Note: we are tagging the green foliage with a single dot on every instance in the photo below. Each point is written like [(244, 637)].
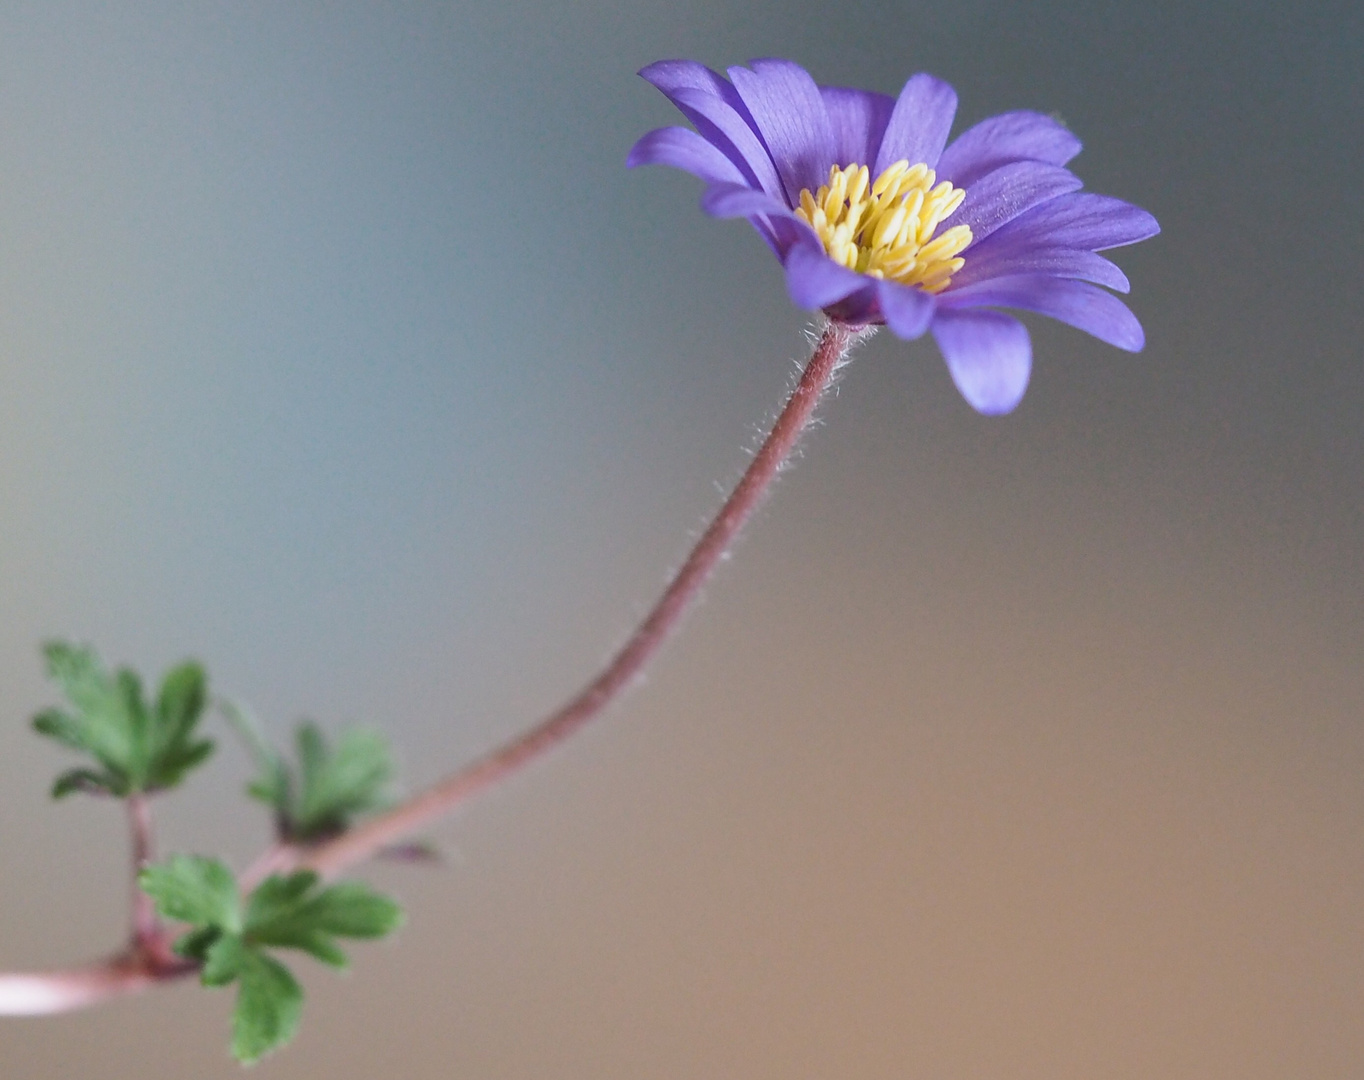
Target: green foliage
[(329, 786), (269, 1006), (230, 939), (193, 889), (139, 746), (290, 913), (337, 784)]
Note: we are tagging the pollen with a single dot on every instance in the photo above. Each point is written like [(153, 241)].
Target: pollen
[(885, 228)]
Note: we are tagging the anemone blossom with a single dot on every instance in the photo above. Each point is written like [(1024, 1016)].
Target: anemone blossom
[(878, 220)]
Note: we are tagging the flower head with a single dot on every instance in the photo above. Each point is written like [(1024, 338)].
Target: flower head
[(876, 218)]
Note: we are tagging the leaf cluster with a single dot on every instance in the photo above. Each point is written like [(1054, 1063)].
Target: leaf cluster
[(139, 746), (328, 786), (230, 939)]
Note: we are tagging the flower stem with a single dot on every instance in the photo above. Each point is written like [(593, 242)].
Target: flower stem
[(359, 844), (142, 964)]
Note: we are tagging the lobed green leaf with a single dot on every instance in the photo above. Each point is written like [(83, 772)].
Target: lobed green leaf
[(229, 938), (269, 1004), (102, 724), (278, 897), (196, 890), (139, 748), (291, 913), (329, 785), (335, 785)]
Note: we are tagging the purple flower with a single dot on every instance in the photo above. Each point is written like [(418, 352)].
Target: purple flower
[(877, 219)]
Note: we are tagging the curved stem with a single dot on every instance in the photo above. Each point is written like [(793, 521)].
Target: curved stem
[(143, 964), (359, 844)]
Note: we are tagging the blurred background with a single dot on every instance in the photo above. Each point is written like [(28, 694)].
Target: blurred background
[(338, 349)]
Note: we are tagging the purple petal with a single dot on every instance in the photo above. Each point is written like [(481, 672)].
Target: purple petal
[(815, 281), (1011, 136), (789, 113), (775, 224), (1075, 303), (918, 126), (673, 75), (988, 355), (993, 260), (907, 310), (723, 200), (1081, 220), (859, 308), (859, 119), (1000, 196), (729, 130), (714, 106), (684, 149), (787, 231)]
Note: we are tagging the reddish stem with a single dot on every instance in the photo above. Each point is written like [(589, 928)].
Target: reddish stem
[(149, 959), (359, 844), (146, 960), (48, 992), (146, 927)]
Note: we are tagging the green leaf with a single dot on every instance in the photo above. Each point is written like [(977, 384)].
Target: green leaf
[(311, 745), (291, 913), (315, 943), (352, 909), (140, 749), (172, 762), (195, 944), (223, 960), (335, 785), (77, 670), (101, 724), (194, 889), (278, 897), (269, 1005), (328, 787), (87, 780), (61, 726), (180, 703), (179, 706), (128, 687), (285, 911), (277, 913)]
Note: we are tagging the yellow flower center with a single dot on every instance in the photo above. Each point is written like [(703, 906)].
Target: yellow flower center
[(885, 229)]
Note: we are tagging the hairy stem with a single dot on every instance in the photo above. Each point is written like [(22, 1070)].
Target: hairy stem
[(149, 959), (361, 843)]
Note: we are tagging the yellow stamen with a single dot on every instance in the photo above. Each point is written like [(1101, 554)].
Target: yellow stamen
[(885, 228)]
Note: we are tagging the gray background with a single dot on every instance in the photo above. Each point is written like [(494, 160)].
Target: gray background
[(340, 350)]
